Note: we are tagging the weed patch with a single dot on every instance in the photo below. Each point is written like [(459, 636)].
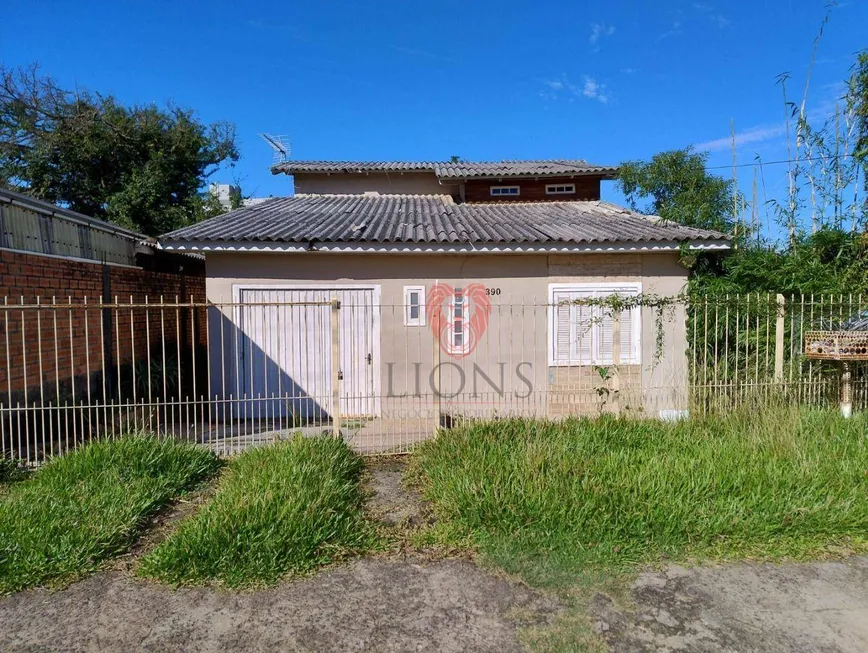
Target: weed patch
[(578, 506), (786, 483), (287, 508), (11, 470), (83, 508)]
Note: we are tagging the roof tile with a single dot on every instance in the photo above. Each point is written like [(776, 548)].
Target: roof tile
[(449, 170), (432, 219)]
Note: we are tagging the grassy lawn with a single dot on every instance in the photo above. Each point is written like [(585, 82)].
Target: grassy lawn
[(567, 505), (81, 509), (287, 508)]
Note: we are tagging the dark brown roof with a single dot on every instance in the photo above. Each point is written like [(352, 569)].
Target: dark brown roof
[(433, 219), (447, 170)]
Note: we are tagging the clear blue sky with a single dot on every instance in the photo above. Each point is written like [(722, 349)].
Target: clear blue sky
[(400, 79)]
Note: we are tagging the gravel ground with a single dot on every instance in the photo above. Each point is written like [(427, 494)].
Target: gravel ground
[(817, 607)]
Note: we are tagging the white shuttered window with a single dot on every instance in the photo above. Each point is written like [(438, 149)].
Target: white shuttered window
[(583, 335)]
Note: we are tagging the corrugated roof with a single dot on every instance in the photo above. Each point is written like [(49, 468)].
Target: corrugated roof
[(432, 219), (49, 209), (448, 170)]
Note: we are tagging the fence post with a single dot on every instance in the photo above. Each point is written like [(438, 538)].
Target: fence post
[(846, 390), (779, 338), (435, 380), (336, 364), (614, 395), (107, 326)]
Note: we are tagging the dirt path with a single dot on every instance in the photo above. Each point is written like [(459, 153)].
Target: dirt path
[(390, 501), (816, 607), (372, 605)]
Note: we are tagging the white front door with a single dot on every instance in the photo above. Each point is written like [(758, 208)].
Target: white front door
[(285, 366)]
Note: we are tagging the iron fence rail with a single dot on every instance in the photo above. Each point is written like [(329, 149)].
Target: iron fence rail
[(235, 374)]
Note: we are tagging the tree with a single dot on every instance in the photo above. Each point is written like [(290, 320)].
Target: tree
[(139, 166), (680, 188), (858, 97)]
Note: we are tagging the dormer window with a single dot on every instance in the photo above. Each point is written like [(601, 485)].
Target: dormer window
[(509, 191), (560, 189)]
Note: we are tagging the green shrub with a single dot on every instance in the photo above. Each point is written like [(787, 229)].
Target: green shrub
[(11, 469), (80, 509), (779, 483), (280, 509)]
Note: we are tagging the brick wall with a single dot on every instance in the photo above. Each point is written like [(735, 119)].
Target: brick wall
[(74, 337)]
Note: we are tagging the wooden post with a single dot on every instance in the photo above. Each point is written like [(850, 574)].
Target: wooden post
[(615, 388), (846, 390), (779, 339), (435, 379), (336, 367)]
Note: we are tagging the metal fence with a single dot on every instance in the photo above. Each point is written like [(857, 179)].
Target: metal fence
[(754, 346), (272, 362)]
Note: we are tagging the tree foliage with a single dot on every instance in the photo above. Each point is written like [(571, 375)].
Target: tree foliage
[(858, 92), (139, 166), (829, 261), (680, 189)]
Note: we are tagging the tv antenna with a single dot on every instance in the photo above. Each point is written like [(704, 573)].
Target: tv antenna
[(281, 150)]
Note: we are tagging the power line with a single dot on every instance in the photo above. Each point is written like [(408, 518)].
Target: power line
[(769, 163)]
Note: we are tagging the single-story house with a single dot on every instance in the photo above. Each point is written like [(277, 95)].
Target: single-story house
[(457, 285)]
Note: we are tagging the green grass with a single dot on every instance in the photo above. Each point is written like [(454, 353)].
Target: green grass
[(287, 508), (783, 483), (83, 508), (579, 506)]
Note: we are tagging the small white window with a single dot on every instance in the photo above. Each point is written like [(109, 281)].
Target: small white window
[(581, 334), (459, 316), (560, 189), (414, 305), (509, 191)]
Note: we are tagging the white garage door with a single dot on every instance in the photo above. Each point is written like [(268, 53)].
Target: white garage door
[(286, 362)]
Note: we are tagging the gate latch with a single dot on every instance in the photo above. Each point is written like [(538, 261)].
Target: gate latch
[(369, 358)]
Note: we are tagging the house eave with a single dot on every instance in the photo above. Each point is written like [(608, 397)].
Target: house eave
[(442, 248), (606, 174)]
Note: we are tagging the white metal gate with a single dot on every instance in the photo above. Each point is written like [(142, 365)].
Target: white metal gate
[(286, 354)]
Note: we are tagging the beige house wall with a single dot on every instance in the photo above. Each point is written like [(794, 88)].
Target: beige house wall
[(509, 370), (411, 183)]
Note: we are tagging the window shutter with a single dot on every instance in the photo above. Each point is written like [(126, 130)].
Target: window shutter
[(628, 321), (584, 333), (562, 340), (607, 334), (606, 352), (573, 329)]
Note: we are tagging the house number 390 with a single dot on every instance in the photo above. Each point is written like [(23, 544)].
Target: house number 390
[(492, 291)]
